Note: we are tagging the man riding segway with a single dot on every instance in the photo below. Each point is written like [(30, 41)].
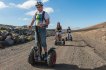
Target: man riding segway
[(41, 18)]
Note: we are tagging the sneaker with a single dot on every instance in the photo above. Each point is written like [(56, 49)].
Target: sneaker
[(45, 58)]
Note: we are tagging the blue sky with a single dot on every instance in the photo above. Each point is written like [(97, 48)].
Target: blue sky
[(73, 13)]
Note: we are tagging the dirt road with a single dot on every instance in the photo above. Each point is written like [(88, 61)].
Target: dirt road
[(75, 55)]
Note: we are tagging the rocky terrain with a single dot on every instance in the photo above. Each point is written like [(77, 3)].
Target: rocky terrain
[(19, 34)]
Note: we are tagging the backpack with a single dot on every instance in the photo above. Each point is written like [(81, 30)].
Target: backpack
[(43, 16)]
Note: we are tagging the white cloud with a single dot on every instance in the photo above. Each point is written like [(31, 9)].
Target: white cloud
[(45, 1), (28, 4), (23, 19), (2, 5), (31, 13), (12, 4), (47, 9)]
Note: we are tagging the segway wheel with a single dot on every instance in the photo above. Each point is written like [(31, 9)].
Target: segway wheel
[(55, 42), (51, 60), (31, 59), (71, 38), (66, 38), (63, 42)]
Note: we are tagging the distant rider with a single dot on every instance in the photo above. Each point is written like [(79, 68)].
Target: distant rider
[(58, 31), (68, 30)]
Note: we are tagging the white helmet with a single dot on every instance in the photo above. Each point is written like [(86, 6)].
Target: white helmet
[(39, 4)]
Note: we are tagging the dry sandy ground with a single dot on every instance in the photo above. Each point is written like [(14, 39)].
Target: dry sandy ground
[(97, 40), (83, 53)]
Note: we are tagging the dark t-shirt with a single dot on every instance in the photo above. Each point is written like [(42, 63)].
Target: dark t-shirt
[(68, 30), (58, 29)]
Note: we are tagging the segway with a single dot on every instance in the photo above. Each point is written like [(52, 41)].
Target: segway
[(36, 53), (69, 37), (59, 41)]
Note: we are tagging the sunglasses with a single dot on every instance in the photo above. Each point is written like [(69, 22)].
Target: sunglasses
[(38, 7)]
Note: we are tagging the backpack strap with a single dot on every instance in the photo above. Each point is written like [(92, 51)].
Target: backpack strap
[(35, 14), (43, 16)]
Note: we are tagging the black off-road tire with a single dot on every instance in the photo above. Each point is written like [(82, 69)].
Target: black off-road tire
[(51, 59), (31, 59)]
